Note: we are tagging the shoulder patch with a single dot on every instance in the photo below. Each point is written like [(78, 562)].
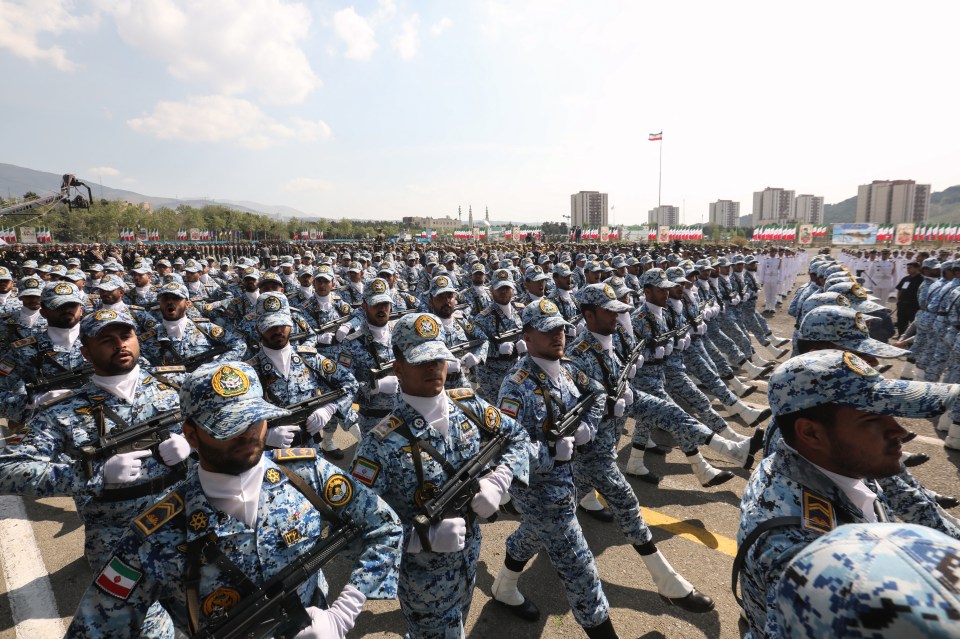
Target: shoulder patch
[(135, 308), (345, 309), (26, 341), (365, 471), (817, 513), (491, 419), (338, 490), (387, 426), (519, 376), (159, 514), (328, 366), (118, 579), (460, 393), (509, 407), (199, 320), (345, 360), (216, 332), (293, 454), (144, 336), (168, 369), (6, 367), (309, 350)]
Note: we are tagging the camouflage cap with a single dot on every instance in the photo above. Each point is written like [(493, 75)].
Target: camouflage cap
[(657, 278), (842, 378), (59, 269), (386, 267), (110, 283), (44, 268), (31, 264), (737, 259), (225, 398), (93, 323), (906, 577), (535, 274), (73, 261), (324, 271), (677, 275), (502, 277), (931, 262), (620, 287), (604, 296), (250, 272), (273, 309), (30, 285), (377, 292), (823, 299), (56, 294), (846, 328), (173, 288), (192, 266), (562, 270), (141, 268), (441, 284), (478, 268), (420, 337), (353, 267), (173, 277), (5, 274), (163, 262), (178, 262), (270, 276), (544, 316), (619, 261), (74, 275)]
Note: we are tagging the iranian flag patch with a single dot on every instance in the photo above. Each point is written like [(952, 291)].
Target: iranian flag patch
[(118, 579)]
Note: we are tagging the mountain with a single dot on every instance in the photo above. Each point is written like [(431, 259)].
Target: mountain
[(845, 211), (17, 180)]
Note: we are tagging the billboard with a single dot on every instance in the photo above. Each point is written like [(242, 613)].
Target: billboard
[(904, 234), (806, 234), (28, 234), (855, 234), (663, 234)]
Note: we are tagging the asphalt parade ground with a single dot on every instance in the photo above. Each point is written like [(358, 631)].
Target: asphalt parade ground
[(44, 573)]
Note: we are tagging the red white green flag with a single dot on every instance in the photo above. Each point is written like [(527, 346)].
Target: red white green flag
[(118, 579), (656, 136)]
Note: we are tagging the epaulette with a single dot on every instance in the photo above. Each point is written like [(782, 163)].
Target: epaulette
[(197, 320), (250, 316), (93, 296), (159, 514), (353, 336), (154, 288), (389, 424), (818, 512), (168, 369), (583, 346), (235, 300), (293, 454), (311, 350), (519, 306), (519, 376), (144, 336), (486, 311), (135, 308), (11, 319), (26, 341), (460, 393)]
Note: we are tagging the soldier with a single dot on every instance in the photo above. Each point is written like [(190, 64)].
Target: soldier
[(413, 452), (477, 295), (563, 297), (26, 321), (500, 322), (534, 285), (44, 458), (144, 292), (8, 300), (290, 376), (457, 330), (352, 289), (770, 269), (251, 515), (880, 274), (836, 415)]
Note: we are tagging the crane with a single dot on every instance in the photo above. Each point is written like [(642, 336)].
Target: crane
[(69, 194)]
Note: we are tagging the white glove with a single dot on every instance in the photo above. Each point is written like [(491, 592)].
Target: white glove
[(633, 371), (325, 338), (342, 332), (564, 449), (492, 489), (571, 331), (453, 366), (619, 407), (448, 535), (388, 385), (628, 397), (281, 436), (469, 360), (51, 394), (668, 348), (174, 449), (521, 346), (319, 418), (583, 435), (639, 363), (702, 329), (336, 622), (506, 348), (735, 300), (659, 353), (124, 468)]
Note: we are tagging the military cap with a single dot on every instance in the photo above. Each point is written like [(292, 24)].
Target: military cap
[(93, 323), (74, 275), (535, 274), (431, 260), (562, 270), (325, 272), (251, 272), (172, 277), (30, 285), (44, 268), (30, 264), (620, 287), (163, 262), (737, 259), (225, 398), (478, 268), (141, 268), (386, 267), (174, 288), (59, 269), (931, 262), (721, 261), (947, 265), (441, 284), (871, 580), (178, 262), (420, 337), (56, 294), (677, 275), (287, 260), (192, 266), (111, 283), (377, 292), (5, 274), (501, 278), (656, 277), (604, 296), (543, 316), (842, 378), (225, 261), (73, 261), (846, 328), (273, 309), (619, 262), (270, 276), (644, 259)]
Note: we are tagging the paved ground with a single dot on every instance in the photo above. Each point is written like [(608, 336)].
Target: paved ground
[(694, 527)]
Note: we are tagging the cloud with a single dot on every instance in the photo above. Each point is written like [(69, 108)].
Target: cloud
[(218, 118), (407, 42), (356, 33), (230, 46), (304, 184), (442, 25), (103, 170), (23, 21)]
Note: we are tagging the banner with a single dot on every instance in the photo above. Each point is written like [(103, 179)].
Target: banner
[(604, 233), (806, 234), (663, 234), (195, 235), (904, 234), (28, 235), (515, 234), (855, 234)]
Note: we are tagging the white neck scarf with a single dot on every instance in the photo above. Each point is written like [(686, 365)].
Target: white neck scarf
[(280, 358), (252, 296), (28, 317), (123, 386), (507, 310), (236, 495), (605, 340), (324, 302), (435, 410), (655, 310), (175, 329), (380, 334), (64, 337), (550, 366)]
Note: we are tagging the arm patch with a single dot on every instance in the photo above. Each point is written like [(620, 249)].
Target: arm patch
[(159, 514)]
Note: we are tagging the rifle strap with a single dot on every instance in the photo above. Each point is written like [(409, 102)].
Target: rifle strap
[(204, 550), (415, 445), (166, 380)]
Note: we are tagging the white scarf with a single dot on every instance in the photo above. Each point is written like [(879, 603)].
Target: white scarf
[(507, 310), (118, 306), (624, 320), (252, 296), (123, 386), (435, 410), (564, 294), (236, 495), (176, 329), (550, 366), (323, 302), (380, 334), (4, 297), (605, 340), (64, 337), (654, 310), (307, 291), (28, 317), (280, 358)]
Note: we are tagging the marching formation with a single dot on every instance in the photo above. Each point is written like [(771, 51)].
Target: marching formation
[(189, 406)]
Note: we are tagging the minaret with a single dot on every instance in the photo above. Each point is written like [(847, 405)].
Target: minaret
[(460, 214), (471, 218), (487, 217)]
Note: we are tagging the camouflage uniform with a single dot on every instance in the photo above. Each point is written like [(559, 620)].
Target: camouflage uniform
[(492, 322)]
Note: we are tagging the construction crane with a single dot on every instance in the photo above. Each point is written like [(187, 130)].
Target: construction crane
[(69, 194)]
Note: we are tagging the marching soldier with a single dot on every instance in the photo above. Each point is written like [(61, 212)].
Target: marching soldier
[(500, 322), (26, 321), (457, 330)]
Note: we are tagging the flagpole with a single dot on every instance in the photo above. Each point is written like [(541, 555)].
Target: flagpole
[(660, 173)]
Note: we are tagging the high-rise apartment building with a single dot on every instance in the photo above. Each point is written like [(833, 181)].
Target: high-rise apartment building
[(665, 215), (773, 206), (725, 214), (893, 202), (809, 209), (588, 209)]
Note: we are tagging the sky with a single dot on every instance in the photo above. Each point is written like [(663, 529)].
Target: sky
[(385, 108)]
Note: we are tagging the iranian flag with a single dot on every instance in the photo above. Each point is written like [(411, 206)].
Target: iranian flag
[(118, 579), (655, 136)]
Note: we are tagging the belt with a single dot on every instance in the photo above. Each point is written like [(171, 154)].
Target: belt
[(152, 487), (374, 412), (941, 314)]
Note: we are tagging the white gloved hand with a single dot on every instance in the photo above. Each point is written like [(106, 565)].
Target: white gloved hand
[(668, 348), (702, 329), (51, 394), (453, 366), (319, 418), (336, 622), (633, 371), (124, 468), (342, 332), (521, 346), (325, 338), (469, 360), (583, 435), (388, 385), (571, 331), (659, 353), (448, 535), (735, 300), (628, 397), (619, 407), (564, 449), (174, 449), (506, 348), (281, 436)]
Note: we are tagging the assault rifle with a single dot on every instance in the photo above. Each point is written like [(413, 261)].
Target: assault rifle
[(275, 609), (466, 347), (571, 419), (193, 362), (510, 335), (333, 325), (621, 386), (299, 411), (454, 497), (146, 436), (66, 380)]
